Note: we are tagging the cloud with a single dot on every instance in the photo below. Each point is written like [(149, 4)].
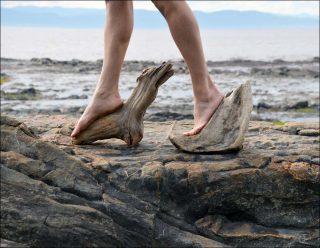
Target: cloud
[(277, 7)]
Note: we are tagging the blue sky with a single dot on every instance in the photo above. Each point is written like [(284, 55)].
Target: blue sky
[(278, 7)]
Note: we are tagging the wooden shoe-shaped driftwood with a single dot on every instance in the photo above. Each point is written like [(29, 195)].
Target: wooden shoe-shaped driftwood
[(225, 130), (127, 122)]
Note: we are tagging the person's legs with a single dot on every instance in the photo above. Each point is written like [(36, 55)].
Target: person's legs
[(185, 32), (118, 30)]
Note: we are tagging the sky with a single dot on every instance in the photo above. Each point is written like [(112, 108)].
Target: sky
[(277, 7)]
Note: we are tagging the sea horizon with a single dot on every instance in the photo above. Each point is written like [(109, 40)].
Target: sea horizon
[(157, 44)]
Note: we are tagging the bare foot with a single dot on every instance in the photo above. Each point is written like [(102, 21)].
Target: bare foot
[(100, 105), (204, 110)]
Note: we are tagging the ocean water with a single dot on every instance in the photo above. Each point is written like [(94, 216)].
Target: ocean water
[(87, 44)]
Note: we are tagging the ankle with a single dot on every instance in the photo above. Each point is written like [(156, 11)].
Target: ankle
[(209, 94), (107, 93), (203, 98)]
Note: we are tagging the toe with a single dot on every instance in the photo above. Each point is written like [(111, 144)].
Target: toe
[(191, 132), (197, 130), (187, 133), (81, 125), (194, 131), (75, 131)]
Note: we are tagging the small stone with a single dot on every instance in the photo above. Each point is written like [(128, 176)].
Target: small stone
[(68, 150), (56, 110), (300, 104), (309, 132), (85, 159), (316, 161), (264, 105), (281, 153), (283, 71), (304, 158)]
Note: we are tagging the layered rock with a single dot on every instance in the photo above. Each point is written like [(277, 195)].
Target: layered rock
[(107, 194)]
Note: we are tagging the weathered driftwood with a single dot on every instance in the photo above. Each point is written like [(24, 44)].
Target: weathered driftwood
[(127, 122), (226, 129)]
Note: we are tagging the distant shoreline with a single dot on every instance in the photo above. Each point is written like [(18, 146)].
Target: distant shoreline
[(166, 28), (75, 18), (230, 62)]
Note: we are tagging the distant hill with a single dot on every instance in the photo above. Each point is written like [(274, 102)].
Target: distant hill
[(94, 18)]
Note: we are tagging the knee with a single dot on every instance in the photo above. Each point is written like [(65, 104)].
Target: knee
[(165, 7), (119, 9)]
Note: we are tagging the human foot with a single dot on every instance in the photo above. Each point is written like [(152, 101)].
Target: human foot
[(204, 110), (101, 105)]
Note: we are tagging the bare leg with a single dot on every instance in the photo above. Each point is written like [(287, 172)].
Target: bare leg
[(185, 32), (118, 30)]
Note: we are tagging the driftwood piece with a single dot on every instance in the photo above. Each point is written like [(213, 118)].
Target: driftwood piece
[(127, 123), (226, 129)]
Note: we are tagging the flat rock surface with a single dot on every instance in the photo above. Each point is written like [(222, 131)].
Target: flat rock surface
[(107, 194)]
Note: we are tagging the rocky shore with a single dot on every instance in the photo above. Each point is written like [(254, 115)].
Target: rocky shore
[(106, 194), (282, 90)]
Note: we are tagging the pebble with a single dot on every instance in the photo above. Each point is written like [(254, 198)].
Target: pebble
[(316, 161), (309, 132), (300, 104), (281, 153), (264, 105), (304, 158), (30, 91)]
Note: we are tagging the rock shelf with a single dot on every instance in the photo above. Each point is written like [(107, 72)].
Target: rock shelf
[(108, 194)]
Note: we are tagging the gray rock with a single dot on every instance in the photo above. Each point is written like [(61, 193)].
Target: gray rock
[(60, 169), (30, 91), (316, 161), (110, 195), (301, 104), (42, 61), (264, 105), (217, 226), (304, 158), (309, 132), (283, 71), (281, 153), (10, 244)]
